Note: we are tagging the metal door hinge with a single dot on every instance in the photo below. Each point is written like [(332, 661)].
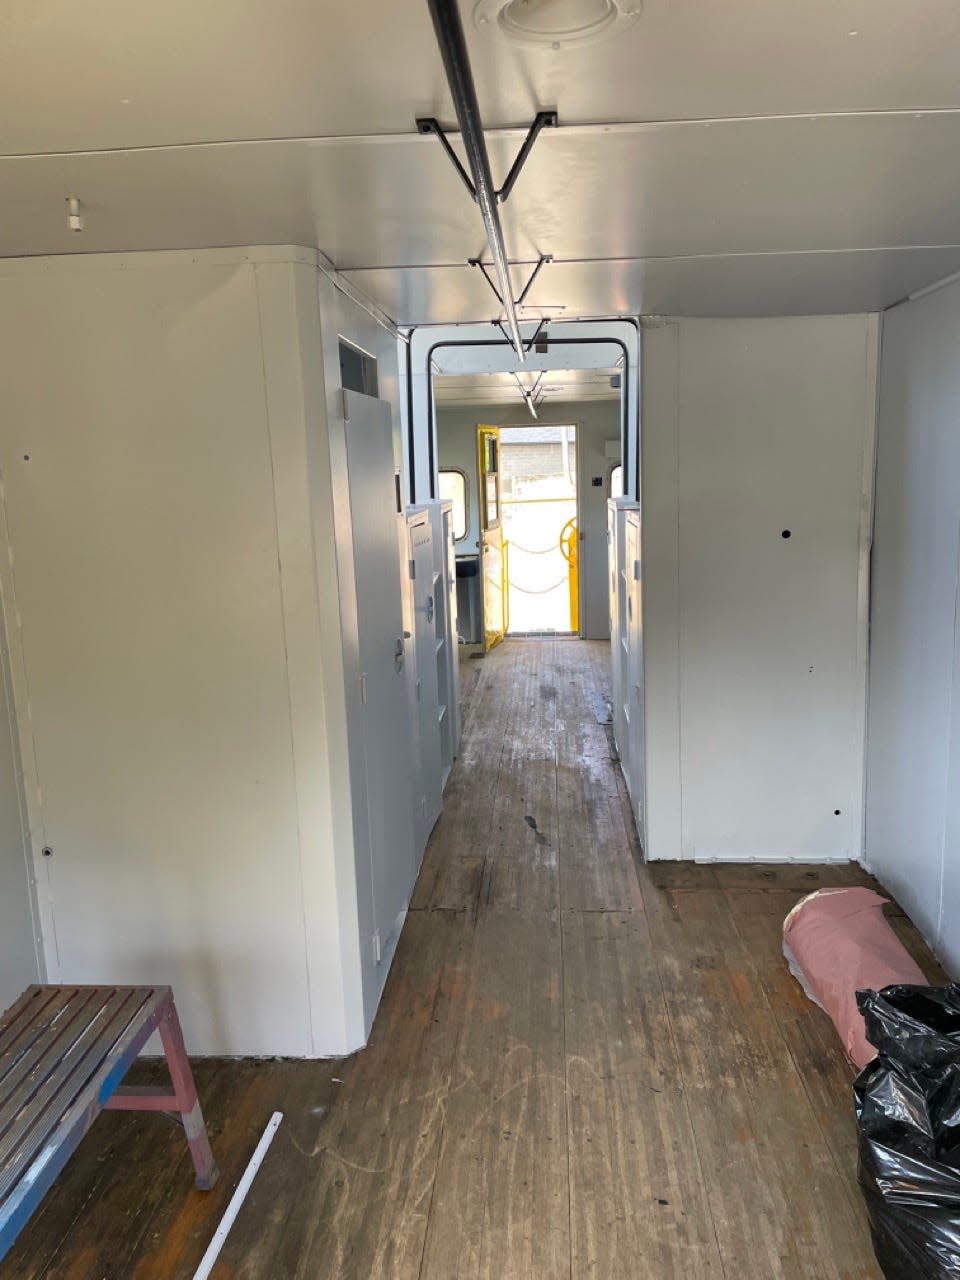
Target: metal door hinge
[(363, 690), (376, 947), (346, 404), (418, 690)]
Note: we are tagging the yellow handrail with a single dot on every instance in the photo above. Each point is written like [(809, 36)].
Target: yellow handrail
[(570, 549)]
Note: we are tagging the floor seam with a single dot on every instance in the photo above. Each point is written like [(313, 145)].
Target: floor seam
[(563, 967)]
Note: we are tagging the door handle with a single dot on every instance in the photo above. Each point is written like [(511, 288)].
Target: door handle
[(398, 654), (429, 608)]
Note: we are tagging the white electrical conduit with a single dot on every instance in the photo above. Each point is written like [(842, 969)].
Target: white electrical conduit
[(209, 1260)]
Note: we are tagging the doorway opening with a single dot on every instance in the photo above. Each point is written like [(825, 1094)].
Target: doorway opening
[(538, 478)]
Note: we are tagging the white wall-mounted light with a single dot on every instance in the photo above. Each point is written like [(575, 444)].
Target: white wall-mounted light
[(554, 23), (74, 214)]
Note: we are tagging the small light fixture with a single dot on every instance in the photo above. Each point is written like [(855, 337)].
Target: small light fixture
[(556, 24), (74, 214)]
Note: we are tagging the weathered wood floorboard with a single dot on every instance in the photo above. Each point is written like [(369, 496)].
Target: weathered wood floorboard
[(638, 1201), (584, 1067)]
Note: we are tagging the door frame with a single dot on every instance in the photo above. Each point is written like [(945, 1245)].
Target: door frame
[(483, 348), (491, 637), (581, 622)]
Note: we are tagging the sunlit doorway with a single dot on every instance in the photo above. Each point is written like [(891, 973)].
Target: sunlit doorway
[(538, 477)]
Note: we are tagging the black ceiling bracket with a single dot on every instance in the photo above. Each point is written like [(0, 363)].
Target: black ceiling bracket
[(544, 259), (475, 262), (542, 120), (527, 396), (536, 334), (427, 125)]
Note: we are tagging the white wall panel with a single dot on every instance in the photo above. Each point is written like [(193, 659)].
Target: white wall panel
[(913, 758), (140, 511), (758, 643), (179, 668), (661, 585)]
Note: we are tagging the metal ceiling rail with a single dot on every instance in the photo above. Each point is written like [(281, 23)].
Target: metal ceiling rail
[(456, 63), (340, 282)]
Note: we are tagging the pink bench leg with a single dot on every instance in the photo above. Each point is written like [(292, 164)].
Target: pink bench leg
[(187, 1102)]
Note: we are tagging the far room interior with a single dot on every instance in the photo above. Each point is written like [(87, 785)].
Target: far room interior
[(558, 456), (479, 581)]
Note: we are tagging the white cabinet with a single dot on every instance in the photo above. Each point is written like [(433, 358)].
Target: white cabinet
[(424, 586), (446, 637), (617, 509), (634, 754)]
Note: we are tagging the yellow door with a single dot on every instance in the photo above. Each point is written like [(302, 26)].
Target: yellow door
[(493, 549)]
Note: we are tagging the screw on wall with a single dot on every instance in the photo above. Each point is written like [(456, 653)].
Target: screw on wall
[(47, 851)]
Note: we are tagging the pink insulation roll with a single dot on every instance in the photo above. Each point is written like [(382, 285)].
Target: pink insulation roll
[(837, 942)]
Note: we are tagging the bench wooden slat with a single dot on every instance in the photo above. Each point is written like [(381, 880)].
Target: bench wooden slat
[(38, 1050), (41, 1113), (30, 1031), (21, 1015)]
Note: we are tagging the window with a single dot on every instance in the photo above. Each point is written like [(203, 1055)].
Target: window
[(616, 482), (358, 370), (489, 479), (453, 487)]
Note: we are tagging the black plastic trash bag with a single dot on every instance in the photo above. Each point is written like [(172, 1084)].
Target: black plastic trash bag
[(908, 1114)]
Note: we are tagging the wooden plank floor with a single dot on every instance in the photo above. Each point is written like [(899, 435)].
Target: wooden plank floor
[(583, 1068)]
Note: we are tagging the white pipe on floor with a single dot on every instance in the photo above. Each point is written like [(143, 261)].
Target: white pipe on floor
[(208, 1262)]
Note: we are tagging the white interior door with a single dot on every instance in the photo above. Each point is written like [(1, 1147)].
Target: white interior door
[(384, 710)]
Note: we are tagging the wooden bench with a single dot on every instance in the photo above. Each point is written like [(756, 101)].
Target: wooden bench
[(63, 1054)]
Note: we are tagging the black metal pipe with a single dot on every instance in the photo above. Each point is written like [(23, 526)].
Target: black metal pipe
[(456, 63)]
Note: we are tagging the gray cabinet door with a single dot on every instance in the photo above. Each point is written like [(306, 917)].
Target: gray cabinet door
[(425, 587)]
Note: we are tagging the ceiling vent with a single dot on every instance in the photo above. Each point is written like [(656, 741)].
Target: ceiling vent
[(555, 24)]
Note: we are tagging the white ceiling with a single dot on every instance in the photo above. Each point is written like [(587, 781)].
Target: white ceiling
[(564, 385), (767, 156)]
